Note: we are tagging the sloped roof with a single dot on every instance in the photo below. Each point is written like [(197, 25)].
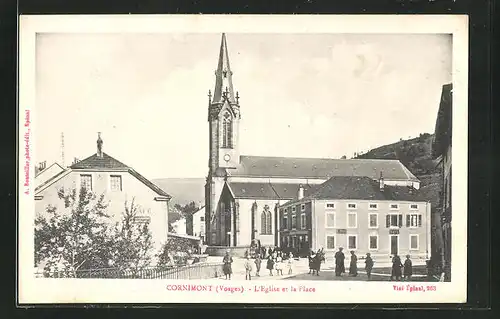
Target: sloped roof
[(252, 190), (289, 167), (265, 190), (362, 188), (95, 161), (105, 162)]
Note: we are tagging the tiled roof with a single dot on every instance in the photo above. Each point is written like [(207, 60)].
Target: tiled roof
[(288, 167), (362, 188), (109, 163), (266, 190), (253, 190), (95, 161)]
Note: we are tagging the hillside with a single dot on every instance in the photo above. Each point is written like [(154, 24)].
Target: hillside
[(416, 155), (183, 190)]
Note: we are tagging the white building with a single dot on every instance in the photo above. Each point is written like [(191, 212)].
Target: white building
[(102, 174)]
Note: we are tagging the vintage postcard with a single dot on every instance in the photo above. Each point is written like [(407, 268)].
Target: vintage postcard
[(242, 159)]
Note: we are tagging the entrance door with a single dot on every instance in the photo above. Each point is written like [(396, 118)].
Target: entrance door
[(394, 245)]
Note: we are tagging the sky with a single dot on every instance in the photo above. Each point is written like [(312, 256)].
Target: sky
[(301, 95)]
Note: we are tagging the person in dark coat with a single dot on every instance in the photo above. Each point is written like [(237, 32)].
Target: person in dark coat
[(368, 265), (269, 252), (353, 265), (339, 262), (311, 262), (227, 260), (317, 263), (270, 264), (396, 268), (258, 262), (407, 268)]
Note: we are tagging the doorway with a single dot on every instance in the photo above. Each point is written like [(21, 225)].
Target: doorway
[(394, 245)]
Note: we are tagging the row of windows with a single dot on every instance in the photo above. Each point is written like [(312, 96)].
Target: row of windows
[(294, 209), (329, 206), (303, 222), (115, 182), (370, 206), (352, 242), (392, 220)]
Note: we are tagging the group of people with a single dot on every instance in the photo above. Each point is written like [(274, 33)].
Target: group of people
[(315, 261), (400, 270), (276, 260)]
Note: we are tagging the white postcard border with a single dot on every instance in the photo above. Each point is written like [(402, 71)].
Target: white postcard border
[(38, 290)]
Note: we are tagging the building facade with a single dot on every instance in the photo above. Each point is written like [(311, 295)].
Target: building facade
[(243, 193), (182, 226), (442, 150), (358, 214), (120, 184)]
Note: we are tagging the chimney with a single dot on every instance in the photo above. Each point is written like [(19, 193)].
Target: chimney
[(41, 166), (300, 194), (381, 182), (99, 145)]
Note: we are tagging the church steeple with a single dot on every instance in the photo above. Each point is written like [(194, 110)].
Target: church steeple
[(223, 116), (224, 77)]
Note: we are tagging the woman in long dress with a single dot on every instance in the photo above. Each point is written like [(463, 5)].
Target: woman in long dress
[(227, 268), (339, 262), (396, 268), (353, 266)]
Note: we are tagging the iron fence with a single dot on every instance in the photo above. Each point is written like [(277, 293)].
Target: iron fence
[(195, 271)]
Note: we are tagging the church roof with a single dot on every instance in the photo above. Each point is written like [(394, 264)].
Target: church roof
[(265, 190), (320, 168), (361, 188)]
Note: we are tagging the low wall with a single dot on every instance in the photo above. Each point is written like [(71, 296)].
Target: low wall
[(238, 251)]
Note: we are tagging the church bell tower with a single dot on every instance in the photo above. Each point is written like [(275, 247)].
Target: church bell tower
[(223, 116), (224, 155)]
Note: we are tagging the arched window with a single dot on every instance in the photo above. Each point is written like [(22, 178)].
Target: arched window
[(266, 222), (227, 131)]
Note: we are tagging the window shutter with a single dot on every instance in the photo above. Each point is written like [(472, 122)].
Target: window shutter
[(387, 221), (419, 220), (408, 217), (400, 220)]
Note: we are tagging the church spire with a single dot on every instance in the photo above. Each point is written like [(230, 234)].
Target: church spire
[(223, 76)]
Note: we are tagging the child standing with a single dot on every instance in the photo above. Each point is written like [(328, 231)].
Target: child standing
[(248, 269), (407, 268), (258, 261), (278, 265), (290, 263), (270, 264)]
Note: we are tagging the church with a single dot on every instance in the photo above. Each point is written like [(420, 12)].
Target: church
[(243, 193)]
